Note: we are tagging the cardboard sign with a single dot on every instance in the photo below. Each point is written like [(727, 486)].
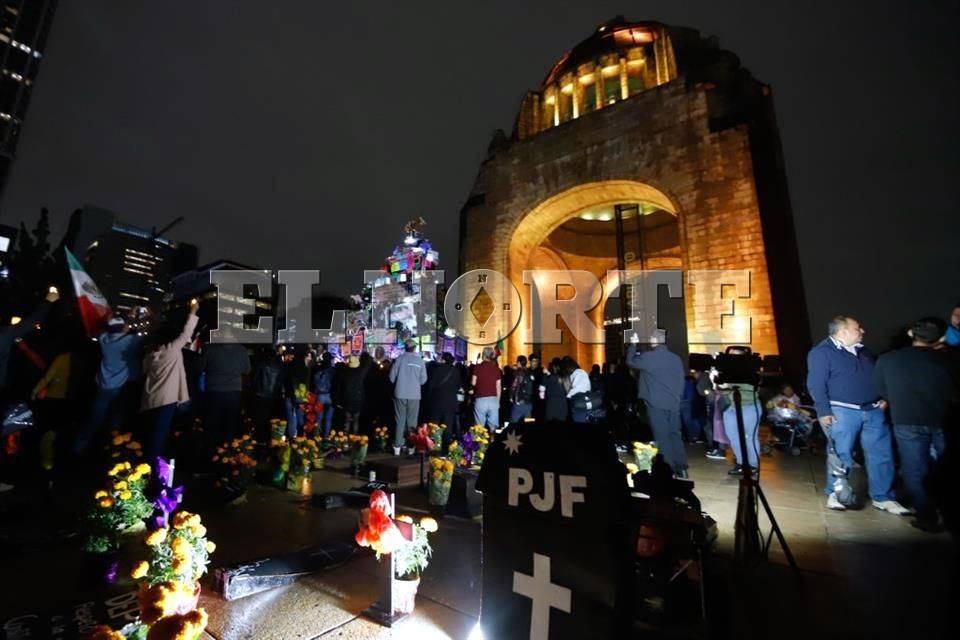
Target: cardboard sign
[(557, 559)]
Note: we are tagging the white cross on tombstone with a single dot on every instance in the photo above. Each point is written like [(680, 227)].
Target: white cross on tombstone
[(544, 594)]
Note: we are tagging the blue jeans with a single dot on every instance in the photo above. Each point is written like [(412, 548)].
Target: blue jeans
[(325, 419), (520, 410), (692, 425), (159, 420), (486, 411), (874, 432), (751, 429), (295, 417), (915, 443), (103, 415)]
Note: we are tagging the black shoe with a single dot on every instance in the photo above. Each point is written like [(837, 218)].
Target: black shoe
[(930, 526), (716, 454), (736, 471)]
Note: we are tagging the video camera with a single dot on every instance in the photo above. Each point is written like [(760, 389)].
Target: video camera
[(738, 365)]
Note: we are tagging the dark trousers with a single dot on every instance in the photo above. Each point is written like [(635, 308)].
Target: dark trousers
[(665, 424), (221, 417), (261, 411), (104, 414), (159, 421), (916, 443)]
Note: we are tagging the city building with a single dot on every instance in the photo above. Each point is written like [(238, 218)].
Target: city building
[(132, 266), (24, 26), (195, 283), (646, 146)]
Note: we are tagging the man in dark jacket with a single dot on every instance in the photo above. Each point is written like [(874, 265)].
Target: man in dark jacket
[(919, 384), (840, 379), (223, 365), (265, 386), (521, 391), (443, 385), (660, 386)]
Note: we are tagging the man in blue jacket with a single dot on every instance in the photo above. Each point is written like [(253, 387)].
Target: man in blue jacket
[(840, 379)]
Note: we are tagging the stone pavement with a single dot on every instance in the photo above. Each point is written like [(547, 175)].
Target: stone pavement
[(865, 573)]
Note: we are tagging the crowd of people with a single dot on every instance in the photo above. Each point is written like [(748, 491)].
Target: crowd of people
[(169, 381)]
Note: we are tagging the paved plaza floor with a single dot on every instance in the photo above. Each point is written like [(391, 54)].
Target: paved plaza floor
[(864, 574)]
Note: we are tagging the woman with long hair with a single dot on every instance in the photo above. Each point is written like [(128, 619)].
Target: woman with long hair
[(165, 380)]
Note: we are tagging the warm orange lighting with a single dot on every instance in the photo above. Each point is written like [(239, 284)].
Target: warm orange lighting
[(587, 79), (630, 36), (550, 99), (611, 71), (567, 88), (15, 320)]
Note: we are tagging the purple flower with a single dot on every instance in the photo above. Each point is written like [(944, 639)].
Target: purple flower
[(164, 504), (111, 573), (163, 472)]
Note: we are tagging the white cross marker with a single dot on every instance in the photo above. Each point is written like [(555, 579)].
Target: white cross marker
[(544, 594)]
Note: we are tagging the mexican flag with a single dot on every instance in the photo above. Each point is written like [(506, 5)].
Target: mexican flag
[(94, 308)]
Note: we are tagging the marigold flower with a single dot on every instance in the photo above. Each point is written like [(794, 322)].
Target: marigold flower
[(107, 502), (428, 524), (199, 530), (180, 547), (156, 537), (179, 564), (117, 468), (125, 495), (140, 570), (120, 486), (143, 468), (404, 518), (103, 632), (100, 494), (210, 546), (185, 520), (186, 626)]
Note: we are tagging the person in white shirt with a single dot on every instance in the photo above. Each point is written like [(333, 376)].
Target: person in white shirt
[(579, 384)]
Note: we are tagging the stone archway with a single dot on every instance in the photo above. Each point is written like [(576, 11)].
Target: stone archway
[(526, 251)]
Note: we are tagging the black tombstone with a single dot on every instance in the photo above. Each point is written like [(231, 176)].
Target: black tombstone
[(556, 554)]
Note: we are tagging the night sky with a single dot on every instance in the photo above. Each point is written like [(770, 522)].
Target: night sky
[(304, 134)]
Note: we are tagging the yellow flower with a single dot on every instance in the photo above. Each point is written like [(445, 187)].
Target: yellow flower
[(199, 530), (133, 477), (107, 502), (140, 570), (405, 519), (186, 626), (117, 468), (210, 546), (428, 524), (143, 468), (179, 564), (133, 445), (100, 494), (156, 537), (632, 468), (117, 441), (180, 547), (103, 632), (185, 520), (125, 495), (119, 486)]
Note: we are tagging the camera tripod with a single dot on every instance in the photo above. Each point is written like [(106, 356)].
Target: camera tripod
[(748, 547)]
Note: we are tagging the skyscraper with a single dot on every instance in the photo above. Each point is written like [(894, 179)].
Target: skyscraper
[(24, 25)]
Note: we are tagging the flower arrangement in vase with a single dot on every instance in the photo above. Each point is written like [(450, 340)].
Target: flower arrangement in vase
[(441, 475), (381, 438), (278, 431), (643, 455), (456, 455), (358, 450), (378, 530), (120, 506), (236, 463), (435, 431), (304, 456)]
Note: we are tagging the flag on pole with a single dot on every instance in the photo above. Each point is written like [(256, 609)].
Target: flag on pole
[(498, 349), (94, 308)]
